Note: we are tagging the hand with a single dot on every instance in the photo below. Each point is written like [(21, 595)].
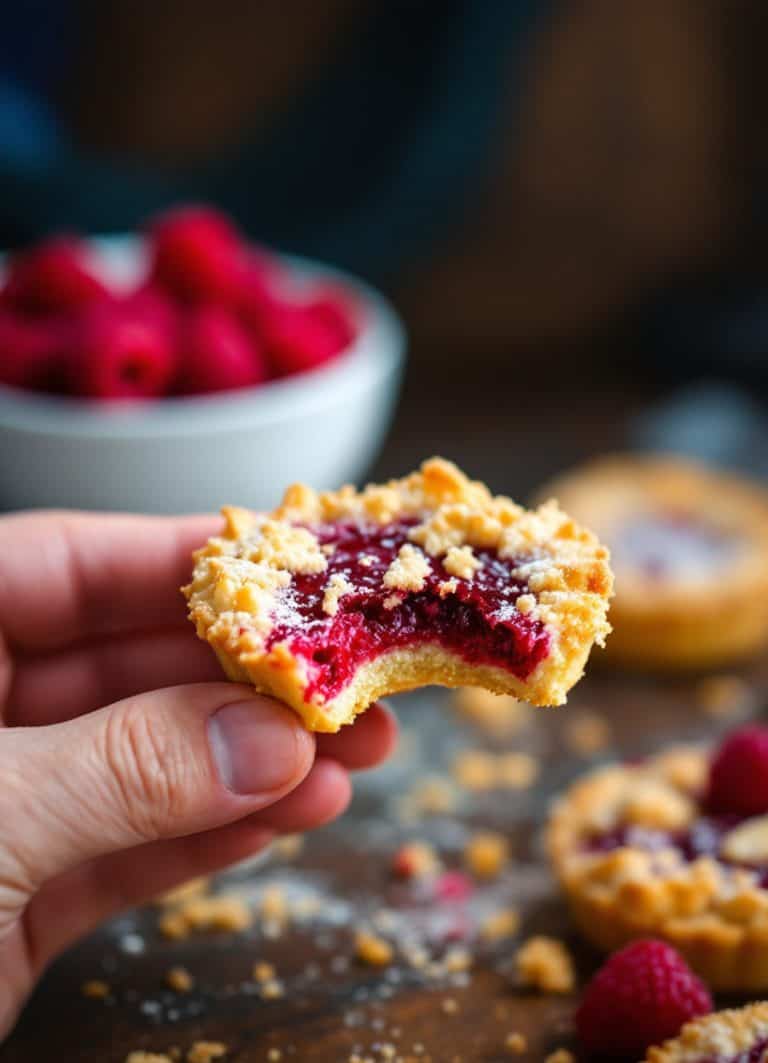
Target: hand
[(180, 774)]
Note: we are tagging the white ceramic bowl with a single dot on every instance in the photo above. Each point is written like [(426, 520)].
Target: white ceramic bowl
[(195, 454)]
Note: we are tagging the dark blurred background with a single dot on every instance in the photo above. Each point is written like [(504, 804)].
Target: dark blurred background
[(566, 200)]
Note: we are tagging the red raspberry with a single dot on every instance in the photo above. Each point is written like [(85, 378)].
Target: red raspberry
[(197, 254), (301, 337), (31, 352), (453, 887), (641, 996), (256, 297), (217, 354), (119, 353), (52, 278), (738, 773)]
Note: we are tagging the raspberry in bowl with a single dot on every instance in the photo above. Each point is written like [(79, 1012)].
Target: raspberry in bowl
[(172, 370)]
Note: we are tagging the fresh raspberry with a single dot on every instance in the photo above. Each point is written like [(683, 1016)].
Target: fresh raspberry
[(738, 773), (52, 278), (256, 291), (31, 352), (119, 353), (453, 887), (301, 337), (339, 312), (640, 997), (197, 254), (217, 354)]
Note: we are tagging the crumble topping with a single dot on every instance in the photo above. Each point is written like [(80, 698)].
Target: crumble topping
[(545, 963), (747, 843), (722, 1035), (337, 586), (461, 562), (409, 570)]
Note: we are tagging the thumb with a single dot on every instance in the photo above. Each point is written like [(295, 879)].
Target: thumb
[(159, 765)]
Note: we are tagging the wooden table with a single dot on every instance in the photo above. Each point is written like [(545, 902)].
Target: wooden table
[(333, 1006)]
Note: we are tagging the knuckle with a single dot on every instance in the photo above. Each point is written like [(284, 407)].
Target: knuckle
[(148, 769)]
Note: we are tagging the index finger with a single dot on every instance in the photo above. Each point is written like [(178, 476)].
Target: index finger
[(68, 576)]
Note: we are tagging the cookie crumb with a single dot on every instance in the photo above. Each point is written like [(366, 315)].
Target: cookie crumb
[(434, 795), (263, 972), (587, 734), (517, 771), (486, 854), (450, 1006), (206, 1051), (545, 964), (416, 860), (96, 989), (179, 979), (475, 769), (274, 1055), (194, 887), (372, 949), (272, 989), (516, 1043), (499, 925)]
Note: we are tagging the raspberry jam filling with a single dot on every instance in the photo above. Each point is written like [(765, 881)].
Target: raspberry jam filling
[(704, 837), (672, 545), (477, 620)]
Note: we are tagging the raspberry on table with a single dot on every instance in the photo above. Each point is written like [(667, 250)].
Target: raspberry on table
[(640, 997), (197, 254), (52, 278), (738, 775), (117, 354), (217, 354)]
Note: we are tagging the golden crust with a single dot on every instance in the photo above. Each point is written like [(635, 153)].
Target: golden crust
[(240, 579), (722, 1035), (716, 915), (678, 623)]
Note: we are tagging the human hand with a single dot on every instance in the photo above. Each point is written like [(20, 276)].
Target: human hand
[(127, 766)]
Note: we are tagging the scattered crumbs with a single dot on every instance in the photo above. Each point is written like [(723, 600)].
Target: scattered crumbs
[(457, 959), (486, 853), (517, 771), (499, 925), (263, 972), (148, 1057), (274, 1055), (288, 847), (545, 964), (516, 1043), (433, 795), (724, 696), (206, 1051), (450, 1006), (587, 733), (194, 887), (372, 949), (561, 1055), (475, 769), (96, 989), (500, 715), (272, 989), (226, 913), (416, 860), (273, 905), (179, 979)]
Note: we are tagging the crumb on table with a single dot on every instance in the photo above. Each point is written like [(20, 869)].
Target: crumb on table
[(96, 989), (486, 854), (206, 1051), (194, 887), (179, 979), (560, 1055), (228, 913), (372, 949), (263, 972), (516, 1043), (501, 924), (587, 733), (545, 964), (147, 1057)]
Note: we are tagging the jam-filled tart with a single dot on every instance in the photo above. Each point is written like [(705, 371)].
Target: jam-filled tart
[(641, 851), (338, 598), (689, 546), (738, 1035)]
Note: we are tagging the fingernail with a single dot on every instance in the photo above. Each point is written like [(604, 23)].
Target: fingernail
[(255, 746)]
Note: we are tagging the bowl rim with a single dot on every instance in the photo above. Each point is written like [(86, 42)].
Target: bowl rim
[(378, 351)]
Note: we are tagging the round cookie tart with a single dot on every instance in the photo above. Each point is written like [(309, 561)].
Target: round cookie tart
[(337, 599), (689, 548), (638, 854), (739, 1035)]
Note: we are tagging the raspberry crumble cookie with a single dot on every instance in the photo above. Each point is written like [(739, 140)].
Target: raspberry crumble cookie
[(675, 847), (689, 547), (337, 599), (739, 1035)]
